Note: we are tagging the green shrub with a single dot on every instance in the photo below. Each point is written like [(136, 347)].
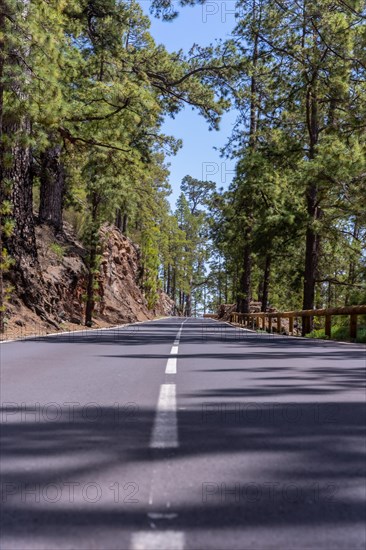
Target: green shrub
[(58, 249), (340, 332)]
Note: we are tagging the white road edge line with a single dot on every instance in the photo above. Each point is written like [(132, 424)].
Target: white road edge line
[(165, 430), (158, 540), (84, 330)]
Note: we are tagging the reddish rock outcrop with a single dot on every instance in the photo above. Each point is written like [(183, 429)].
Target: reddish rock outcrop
[(61, 283)]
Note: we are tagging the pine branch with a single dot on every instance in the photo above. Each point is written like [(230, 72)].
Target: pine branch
[(66, 135)]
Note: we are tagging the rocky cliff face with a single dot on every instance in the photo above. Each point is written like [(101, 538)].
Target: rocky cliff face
[(120, 294), (61, 281)]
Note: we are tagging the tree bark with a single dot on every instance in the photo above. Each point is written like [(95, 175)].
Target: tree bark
[(220, 282), (124, 224), (246, 277), (312, 246), (17, 128), (52, 191), (23, 239), (226, 285), (174, 285), (189, 305), (92, 263), (266, 281), (168, 281), (90, 302), (118, 219), (2, 189), (352, 266)]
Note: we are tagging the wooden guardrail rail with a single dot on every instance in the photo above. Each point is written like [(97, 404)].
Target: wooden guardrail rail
[(264, 320)]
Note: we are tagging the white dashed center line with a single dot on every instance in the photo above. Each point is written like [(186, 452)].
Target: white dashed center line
[(158, 540), (165, 430), (171, 366), (164, 436)]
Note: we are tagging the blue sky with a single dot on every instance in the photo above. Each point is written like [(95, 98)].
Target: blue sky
[(201, 25)]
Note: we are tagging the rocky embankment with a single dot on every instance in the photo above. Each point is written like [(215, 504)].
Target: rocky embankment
[(59, 282)]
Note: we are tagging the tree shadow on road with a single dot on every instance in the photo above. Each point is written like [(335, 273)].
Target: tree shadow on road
[(313, 451)]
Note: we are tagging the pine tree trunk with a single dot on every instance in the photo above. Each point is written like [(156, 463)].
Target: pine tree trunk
[(189, 305), (226, 286), (312, 247), (23, 239), (246, 279), (174, 285), (352, 267), (118, 219), (90, 302), (2, 190), (124, 224), (311, 268), (219, 282), (92, 261), (52, 191), (17, 128), (2, 293), (168, 280), (18, 174), (266, 281), (26, 274)]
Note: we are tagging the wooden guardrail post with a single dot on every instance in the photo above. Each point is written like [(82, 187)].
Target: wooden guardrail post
[(353, 326), (291, 325), (279, 324), (305, 324), (328, 326)]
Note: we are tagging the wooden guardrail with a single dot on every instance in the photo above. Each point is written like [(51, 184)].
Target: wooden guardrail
[(210, 316), (264, 320)]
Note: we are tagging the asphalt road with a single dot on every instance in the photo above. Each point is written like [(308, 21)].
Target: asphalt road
[(177, 436)]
